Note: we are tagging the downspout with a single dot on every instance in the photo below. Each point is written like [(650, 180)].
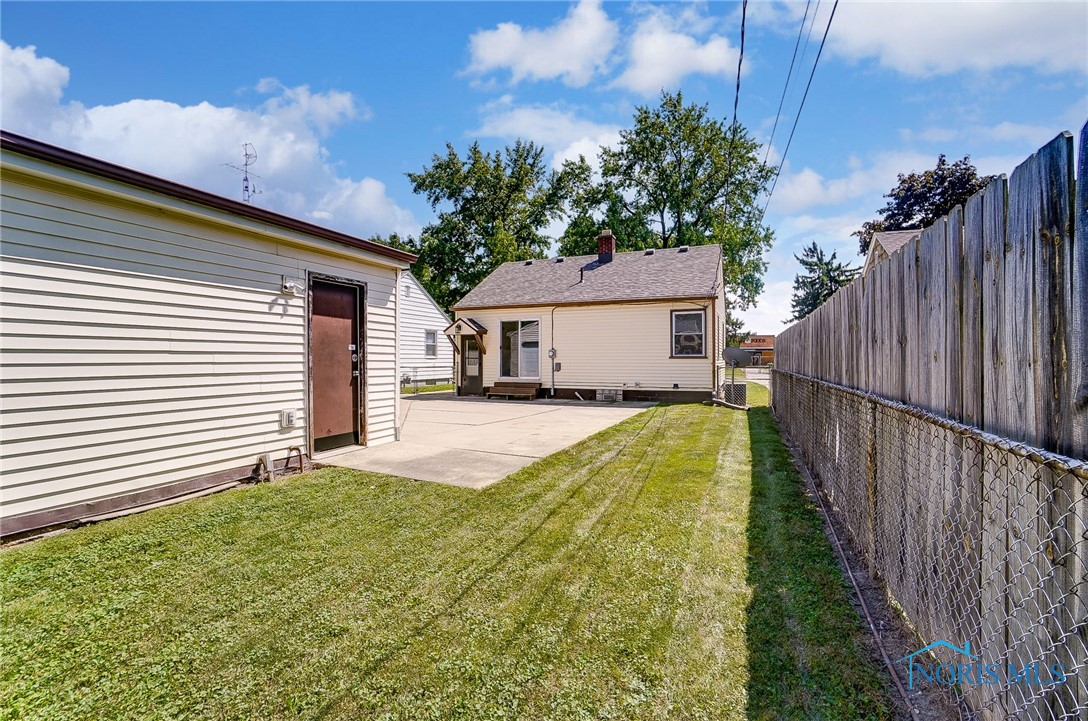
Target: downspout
[(551, 350), (397, 293), (713, 349)]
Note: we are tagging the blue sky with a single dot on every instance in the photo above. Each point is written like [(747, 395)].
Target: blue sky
[(341, 99)]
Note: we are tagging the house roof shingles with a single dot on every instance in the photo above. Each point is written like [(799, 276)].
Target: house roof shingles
[(631, 276), (893, 240)]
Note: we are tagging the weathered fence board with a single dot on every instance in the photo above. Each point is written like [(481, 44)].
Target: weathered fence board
[(993, 302), (1052, 200), (1015, 382), (1077, 312), (971, 351), (953, 316)]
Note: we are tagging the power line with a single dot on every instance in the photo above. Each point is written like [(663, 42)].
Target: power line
[(804, 97), (740, 61), (800, 32), (811, 25), (736, 104)]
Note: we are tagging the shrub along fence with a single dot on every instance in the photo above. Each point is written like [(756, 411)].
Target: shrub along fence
[(941, 401)]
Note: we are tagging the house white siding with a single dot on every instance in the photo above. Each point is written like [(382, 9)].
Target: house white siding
[(607, 345), (145, 340), (419, 314)]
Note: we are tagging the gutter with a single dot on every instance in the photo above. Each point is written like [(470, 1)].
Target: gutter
[(565, 304)]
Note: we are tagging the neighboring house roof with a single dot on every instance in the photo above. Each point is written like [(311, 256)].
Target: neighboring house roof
[(641, 275), (893, 240), (473, 324), (886, 242), (84, 163)]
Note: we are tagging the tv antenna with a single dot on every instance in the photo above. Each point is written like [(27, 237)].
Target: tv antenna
[(249, 157)]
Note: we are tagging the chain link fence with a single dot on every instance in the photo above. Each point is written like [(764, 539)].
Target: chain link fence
[(981, 543)]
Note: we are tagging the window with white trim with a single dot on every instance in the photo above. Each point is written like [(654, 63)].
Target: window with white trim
[(519, 349), (689, 334), (430, 343)]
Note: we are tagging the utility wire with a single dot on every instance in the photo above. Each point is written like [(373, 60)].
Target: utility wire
[(740, 60), (811, 75), (736, 104), (800, 32), (811, 25)]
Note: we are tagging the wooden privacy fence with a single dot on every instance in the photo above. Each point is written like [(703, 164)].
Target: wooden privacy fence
[(942, 403), (983, 319)]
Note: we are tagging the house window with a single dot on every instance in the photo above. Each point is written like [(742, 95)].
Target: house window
[(407, 289), (688, 333), (430, 343), (519, 349)]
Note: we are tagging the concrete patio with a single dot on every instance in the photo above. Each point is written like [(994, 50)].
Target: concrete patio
[(473, 443)]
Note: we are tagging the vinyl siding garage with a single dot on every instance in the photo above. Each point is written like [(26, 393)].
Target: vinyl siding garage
[(147, 344), (421, 320)]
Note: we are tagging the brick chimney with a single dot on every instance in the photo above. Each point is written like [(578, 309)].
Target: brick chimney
[(606, 246)]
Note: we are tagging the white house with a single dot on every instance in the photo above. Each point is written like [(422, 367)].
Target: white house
[(157, 340), (426, 356), (642, 325)]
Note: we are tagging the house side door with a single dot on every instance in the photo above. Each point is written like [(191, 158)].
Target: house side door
[(334, 364), (472, 380)]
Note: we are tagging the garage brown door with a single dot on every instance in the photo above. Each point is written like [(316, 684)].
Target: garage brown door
[(334, 338)]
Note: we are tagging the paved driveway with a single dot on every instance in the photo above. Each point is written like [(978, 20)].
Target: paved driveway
[(473, 442)]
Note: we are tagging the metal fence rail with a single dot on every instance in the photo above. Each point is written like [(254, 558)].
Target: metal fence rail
[(977, 539)]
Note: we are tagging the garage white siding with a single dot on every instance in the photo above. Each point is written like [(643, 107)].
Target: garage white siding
[(146, 341), (419, 314)]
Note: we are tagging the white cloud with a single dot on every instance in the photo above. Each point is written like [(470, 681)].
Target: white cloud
[(939, 38), (807, 188), (558, 130), (191, 144), (771, 309), (661, 54), (574, 49), (32, 89), (1023, 133), (929, 135)]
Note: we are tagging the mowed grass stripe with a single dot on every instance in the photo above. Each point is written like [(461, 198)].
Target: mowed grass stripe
[(668, 567), (504, 579)]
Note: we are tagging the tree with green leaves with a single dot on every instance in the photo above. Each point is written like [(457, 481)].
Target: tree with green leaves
[(734, 331), (919, 199), (492, 208), (407, 243), (822, 277), (680, 177)]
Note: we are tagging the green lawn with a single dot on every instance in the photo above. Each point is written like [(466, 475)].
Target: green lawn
[(669, 567), (412, 389)]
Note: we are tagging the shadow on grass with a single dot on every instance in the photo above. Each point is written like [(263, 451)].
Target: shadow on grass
[(805, 641)]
